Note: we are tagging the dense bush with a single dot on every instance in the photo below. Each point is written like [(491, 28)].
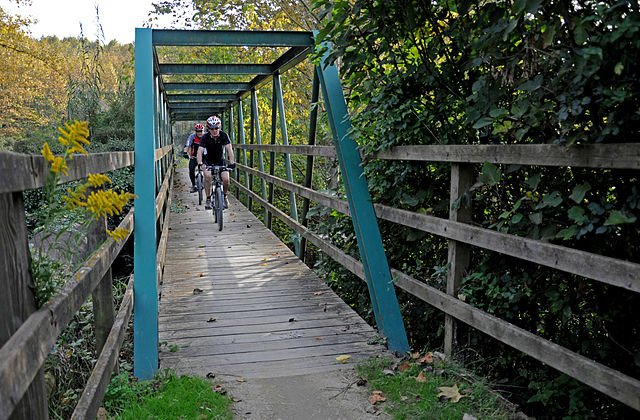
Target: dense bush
[(516, 72)]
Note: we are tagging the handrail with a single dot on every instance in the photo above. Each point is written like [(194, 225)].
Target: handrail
[(594, 266), (605, 269), (20, 172), (24, 353)]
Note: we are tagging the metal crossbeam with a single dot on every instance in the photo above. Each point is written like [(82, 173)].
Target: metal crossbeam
[(183, 38), (226, 69), (192, 105), (213, 86), (201, 97)]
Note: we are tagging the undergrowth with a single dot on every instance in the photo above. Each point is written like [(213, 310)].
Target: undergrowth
[(428, 387)]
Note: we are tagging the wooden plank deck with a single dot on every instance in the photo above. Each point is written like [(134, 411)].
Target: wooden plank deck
[(239, 302)]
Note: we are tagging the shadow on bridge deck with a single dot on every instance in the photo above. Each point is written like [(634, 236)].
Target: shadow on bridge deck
[(239, 303)]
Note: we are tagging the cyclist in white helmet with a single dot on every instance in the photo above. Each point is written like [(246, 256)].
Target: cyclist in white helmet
[(214, 142)]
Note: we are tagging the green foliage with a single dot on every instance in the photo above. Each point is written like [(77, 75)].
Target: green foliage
[(516, 72), (166, 396)]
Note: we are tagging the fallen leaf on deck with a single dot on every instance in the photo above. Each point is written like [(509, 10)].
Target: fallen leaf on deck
[(241, 379), (219, 389), (376, 397), (211, 320), (263, 264), (211, 375), (451, 393), (292, 319), (201, 275), (421, 377), (200, 255), (319, 338), (361, 382), (200, 246), (197, 291), (343, 358), (318, 293), (265, 259)]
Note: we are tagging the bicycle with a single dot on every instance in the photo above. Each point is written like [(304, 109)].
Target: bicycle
[(217, 194)]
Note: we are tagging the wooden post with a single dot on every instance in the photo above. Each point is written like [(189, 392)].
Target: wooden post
[(459, 253), (17, 300), (103, 310)]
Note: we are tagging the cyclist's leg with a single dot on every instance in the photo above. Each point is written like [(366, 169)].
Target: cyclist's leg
[(207, 188), (225, 186), (207, 182), (192, 171)]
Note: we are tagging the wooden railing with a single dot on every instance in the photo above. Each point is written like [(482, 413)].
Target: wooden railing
[(27, 334), (463, 236)]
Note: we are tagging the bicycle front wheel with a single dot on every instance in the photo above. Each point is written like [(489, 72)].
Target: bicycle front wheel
[(199, 187), (219, 208)]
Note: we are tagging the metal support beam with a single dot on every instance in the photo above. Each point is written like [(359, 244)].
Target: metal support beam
[(145, 325), (226, 69), (277, 85), (255, 117), (242, 139), (308, 177), (365, 223), (207, 86), (272, 155), (201, 97), (171, 37)]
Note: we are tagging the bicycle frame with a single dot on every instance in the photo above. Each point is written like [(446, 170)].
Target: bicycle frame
[(217, 193)]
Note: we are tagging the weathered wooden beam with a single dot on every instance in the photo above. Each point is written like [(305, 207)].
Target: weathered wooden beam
[(27, 400), (597, 267), (459, 253), (606, 380), (614, 156), (24, 353), (94, 390), (310, 150), (21, 172)]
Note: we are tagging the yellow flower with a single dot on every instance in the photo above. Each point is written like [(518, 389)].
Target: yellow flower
[(118, 234), (98, 180), (107, 203), (75, 199), (47, 153), (77, 148), (59, 165), (75, 134)]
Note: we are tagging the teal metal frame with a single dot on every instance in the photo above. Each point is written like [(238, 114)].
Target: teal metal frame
[(145, 323), (293, 207), (158, 103), (255, 119), (374, 261)]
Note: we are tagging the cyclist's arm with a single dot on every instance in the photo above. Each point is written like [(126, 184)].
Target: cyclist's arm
[(199, 158), (230, 153), (188, 142)]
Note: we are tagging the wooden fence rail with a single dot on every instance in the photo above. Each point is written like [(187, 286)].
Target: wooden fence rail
[(463, 237), (27, 334)]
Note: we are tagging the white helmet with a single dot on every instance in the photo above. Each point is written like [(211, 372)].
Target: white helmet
[(213, 122)]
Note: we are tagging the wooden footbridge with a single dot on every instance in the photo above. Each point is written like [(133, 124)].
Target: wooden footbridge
[(239, 302)]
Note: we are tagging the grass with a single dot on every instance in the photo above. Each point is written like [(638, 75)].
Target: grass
[(408, 398), (166, 397)]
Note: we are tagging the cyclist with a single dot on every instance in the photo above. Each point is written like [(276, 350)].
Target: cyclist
[(191, 151), (212, 145)]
